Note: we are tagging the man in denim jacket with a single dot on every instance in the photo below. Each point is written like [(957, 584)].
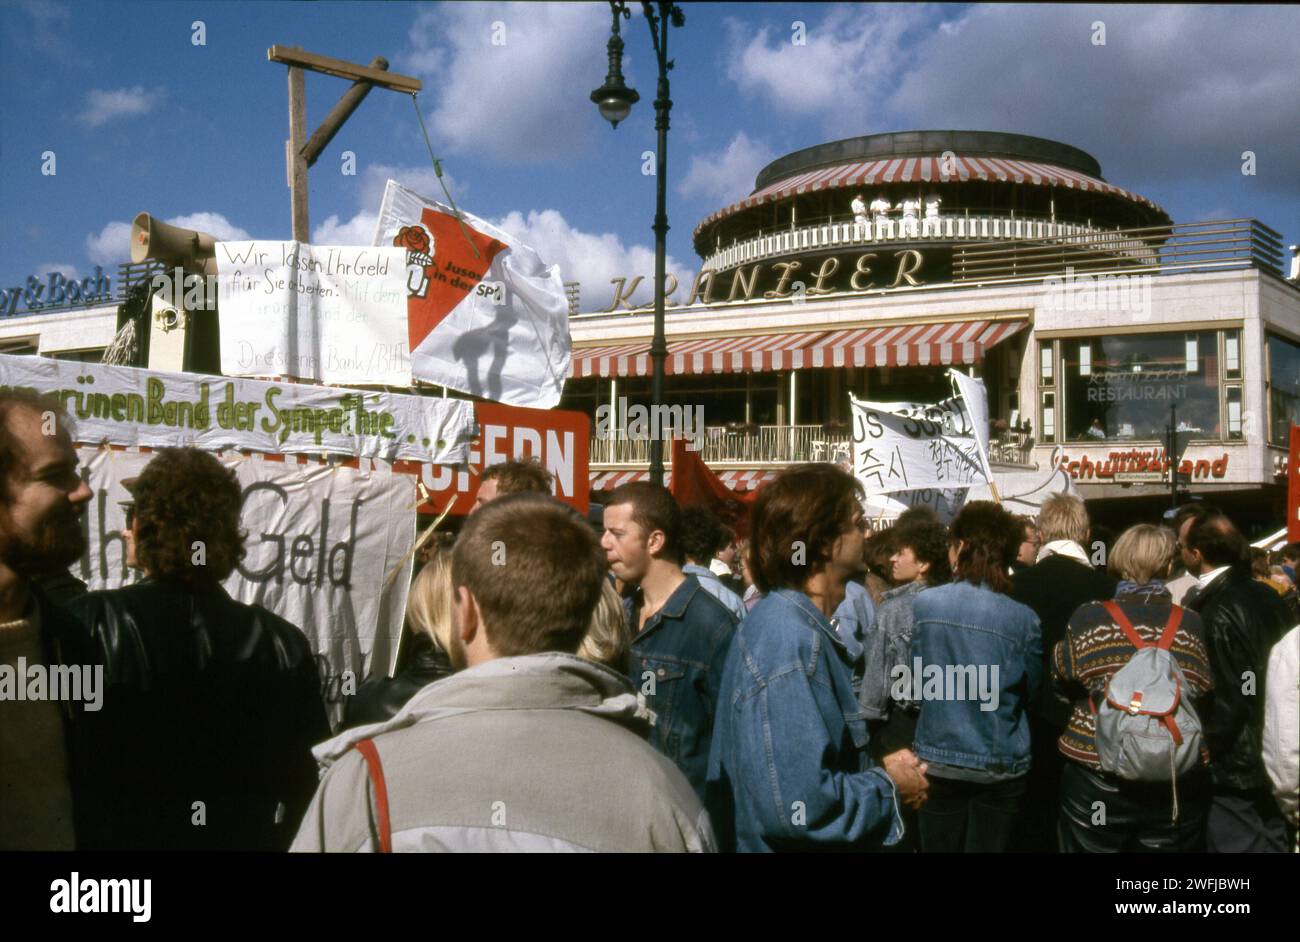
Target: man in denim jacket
[(680, 633), (789, 767)]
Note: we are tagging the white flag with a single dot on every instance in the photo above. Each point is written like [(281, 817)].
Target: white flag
[(975, 399), (486, 316)]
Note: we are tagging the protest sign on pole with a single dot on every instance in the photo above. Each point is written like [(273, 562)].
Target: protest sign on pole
[(322, 544), (123, 405), (333, 314), (485, 315), (903, 446)]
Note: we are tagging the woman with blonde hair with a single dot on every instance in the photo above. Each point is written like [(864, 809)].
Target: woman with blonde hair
[(607, 640), (1155, 816), (429, 625)]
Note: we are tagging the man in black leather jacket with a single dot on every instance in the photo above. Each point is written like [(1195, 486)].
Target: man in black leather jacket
[(204, 740), (1242, 621)]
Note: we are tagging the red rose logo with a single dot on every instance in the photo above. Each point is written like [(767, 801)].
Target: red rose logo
[(413, 239)]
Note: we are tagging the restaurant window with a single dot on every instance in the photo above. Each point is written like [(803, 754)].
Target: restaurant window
[(1121, 387), (1283, 388)]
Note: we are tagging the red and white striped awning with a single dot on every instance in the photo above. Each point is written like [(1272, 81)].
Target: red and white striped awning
[(736, 480), (962, 342), (925, 170)]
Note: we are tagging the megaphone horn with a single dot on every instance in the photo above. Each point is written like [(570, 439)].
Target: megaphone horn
[(188, 248)]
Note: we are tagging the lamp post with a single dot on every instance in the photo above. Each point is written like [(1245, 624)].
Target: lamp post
[(615, 100)]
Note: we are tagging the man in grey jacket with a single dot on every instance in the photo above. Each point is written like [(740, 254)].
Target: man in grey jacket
[(528, 747)]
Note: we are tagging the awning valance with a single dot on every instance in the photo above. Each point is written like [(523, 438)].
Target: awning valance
[(925, 170), (954, 342), (736, 480)]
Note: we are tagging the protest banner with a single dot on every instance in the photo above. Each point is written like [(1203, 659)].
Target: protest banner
[(558, 439), (975, 400), (322, 543), (485, 315), (903, 446), (333, 314), (123, 405), (1019, 492)]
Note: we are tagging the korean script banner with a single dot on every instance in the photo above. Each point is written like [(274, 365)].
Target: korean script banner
[(903, 446)]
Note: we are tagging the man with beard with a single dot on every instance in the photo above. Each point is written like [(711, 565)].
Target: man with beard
[(41, 502)]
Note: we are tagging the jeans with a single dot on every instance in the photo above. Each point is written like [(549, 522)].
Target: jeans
[(970, 817), (1103, 814)]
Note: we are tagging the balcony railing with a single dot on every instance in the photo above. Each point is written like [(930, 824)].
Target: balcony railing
[(840, 233), (1215, 245), (768, 444)]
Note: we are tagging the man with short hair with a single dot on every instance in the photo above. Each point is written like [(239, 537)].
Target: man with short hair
[(529, 747), (789, 768), (1182, 587), (680, 633), (42, 499), (512, 477), (702, 534), (214, 705), (1243, 620), (1062, 579)]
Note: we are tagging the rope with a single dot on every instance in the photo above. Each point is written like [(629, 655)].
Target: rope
[(437, 169)]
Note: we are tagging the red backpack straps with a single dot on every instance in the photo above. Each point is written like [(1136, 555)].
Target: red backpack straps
[(1125, 625), (368, 752), (1171, 628)]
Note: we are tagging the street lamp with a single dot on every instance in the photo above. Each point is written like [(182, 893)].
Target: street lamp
[(615, 100)]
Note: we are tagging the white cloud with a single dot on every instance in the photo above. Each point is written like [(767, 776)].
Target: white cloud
[(1176, 92), (214, 224), (727, 175), (103, 105), (359, 230), (112, 244), (531, 88), (840, 70), (591, 259), (43, 269)]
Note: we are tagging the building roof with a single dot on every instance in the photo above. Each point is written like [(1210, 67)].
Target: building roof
[(925, 169)]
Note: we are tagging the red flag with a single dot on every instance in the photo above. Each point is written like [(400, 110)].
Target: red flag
[(695, 485), (1292, 491)]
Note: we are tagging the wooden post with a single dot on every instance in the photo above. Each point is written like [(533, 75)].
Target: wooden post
[(301, 153), (298, 163)]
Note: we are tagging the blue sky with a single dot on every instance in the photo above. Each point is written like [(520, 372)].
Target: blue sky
[(141, 119)]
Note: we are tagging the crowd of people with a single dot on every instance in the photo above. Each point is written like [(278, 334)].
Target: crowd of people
[(650, 682)]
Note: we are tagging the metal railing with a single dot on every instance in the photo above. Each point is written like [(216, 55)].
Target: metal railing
[(763, 444), (1186, 247), (945, 228)]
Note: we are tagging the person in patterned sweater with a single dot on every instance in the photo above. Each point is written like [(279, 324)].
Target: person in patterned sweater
[(1100, 812)]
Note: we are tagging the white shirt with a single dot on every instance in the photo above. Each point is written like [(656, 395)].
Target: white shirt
[(932, 208), (859, 207), (910, 208), (880, 206), (1205, 579)]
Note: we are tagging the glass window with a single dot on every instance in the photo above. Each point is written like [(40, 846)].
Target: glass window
[(1049, 416), (1283, 388), (1234, 411), (1045, 363), (1121, 388), (1232, 354)]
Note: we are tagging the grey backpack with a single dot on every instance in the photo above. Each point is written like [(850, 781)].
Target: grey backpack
[(1147, 730)]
